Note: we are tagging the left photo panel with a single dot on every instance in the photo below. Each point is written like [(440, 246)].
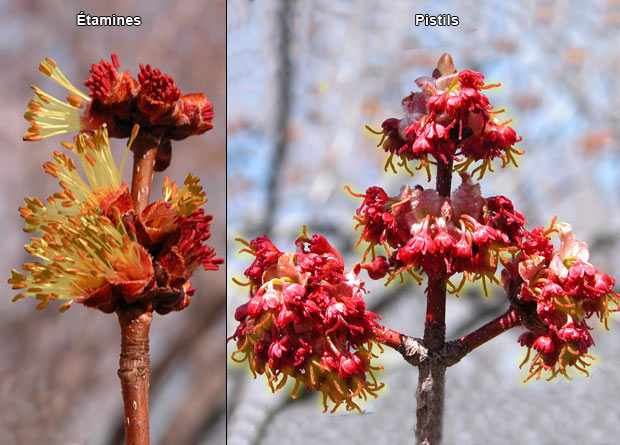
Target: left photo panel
[(114, 211)]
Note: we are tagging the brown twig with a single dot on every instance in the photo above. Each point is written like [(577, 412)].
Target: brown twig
[(135, 320), (134, 372), (144, 149), (514, 316), (388, 337), (431, 377)]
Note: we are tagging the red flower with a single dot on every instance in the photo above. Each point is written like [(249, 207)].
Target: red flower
[(471, 79), (391, 141), (449, 119), (159, 96), (111, 91), (376, 269), (266, 255), (505, 218), (195, 117), (544, 345), (432, 139), (566, 290), (307, 320), (380, 225)]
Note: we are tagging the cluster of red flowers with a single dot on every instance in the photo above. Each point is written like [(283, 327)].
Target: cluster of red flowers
[(449, 119), (154, 101), (119, 102), (562, 290), (422, 231), (174, 232), (307, 319)]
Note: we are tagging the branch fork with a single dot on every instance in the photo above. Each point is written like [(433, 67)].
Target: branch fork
[(415, 352)]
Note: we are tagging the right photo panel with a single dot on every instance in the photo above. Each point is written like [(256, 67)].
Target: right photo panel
[(422, 220)]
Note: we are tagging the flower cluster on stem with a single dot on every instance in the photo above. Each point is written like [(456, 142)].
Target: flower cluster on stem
[(96, 250), (103, 244), (306, 319), (449, 119), (119, 101), (562, 291), (424, 232)]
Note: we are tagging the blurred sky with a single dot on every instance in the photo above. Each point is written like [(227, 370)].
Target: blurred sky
[(303, 81), (58, 381)]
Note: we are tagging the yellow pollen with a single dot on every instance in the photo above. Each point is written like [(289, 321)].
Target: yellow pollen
[(74, 100), (71, 195), (25, 212), (44, 97), (51, 169)]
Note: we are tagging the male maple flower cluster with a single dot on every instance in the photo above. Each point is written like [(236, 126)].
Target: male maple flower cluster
[(449, 119), (97, 251), (118, 101), (307, 319)]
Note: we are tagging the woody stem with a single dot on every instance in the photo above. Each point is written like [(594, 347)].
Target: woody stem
[(431, 377), (145, 149), (135, 320), (514, 316), (134, 372), (388, 336)]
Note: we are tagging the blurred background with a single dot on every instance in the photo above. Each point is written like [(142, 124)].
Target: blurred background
[(58, 382), (304, 77)]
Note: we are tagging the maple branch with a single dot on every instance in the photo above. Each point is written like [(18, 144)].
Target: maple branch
[(145, 150), (514, 316), (134, 372), (135, 320)]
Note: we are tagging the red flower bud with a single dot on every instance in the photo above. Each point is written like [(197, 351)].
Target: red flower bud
[(159, 96), (377, 268), (544, 344), (195, 118)]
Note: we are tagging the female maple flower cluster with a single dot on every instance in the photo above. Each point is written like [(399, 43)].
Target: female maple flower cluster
[(119, 101), (307, 319), (558, 289), (449, 119), (97, 251), (561, 290), (422, 231)]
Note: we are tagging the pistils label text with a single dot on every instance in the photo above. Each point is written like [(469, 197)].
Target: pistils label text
[(436, 20)]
